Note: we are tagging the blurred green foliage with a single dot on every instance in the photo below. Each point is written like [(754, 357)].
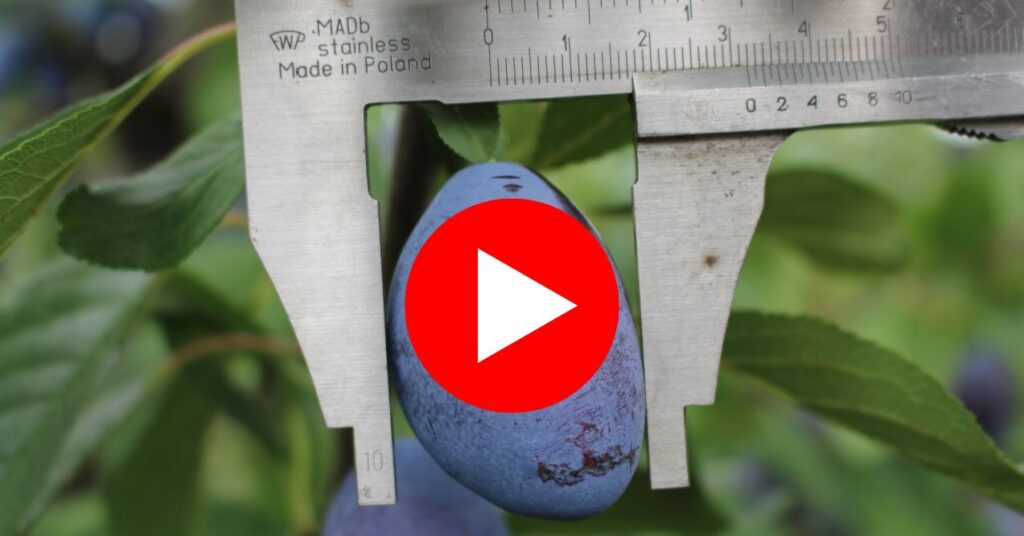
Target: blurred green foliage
[(182, 201), (177, 403)]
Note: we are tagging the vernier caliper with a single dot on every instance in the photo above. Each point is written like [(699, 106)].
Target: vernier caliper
[(718, 85)]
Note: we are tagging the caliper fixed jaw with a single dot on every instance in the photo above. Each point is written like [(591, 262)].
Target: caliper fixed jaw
[(325, 266)]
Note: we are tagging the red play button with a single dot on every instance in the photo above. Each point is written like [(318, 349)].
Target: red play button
[(512, 305)]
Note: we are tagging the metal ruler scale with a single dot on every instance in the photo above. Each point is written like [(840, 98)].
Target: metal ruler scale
[(695, 67)]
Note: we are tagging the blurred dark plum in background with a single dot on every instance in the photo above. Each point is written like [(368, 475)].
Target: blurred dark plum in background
[(761, 487), (45, 47), (985, 384), (430, 503), (12, 54), (119, 33), (54, 52)]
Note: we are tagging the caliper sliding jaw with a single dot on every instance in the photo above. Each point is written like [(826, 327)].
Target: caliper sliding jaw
[(697, 201)]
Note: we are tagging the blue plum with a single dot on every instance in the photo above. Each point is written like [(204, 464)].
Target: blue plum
[(430, 503), (984, 383), (118, 33), (13, 45), (567, 461)]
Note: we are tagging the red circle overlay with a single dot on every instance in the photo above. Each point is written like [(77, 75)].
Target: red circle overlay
[(544, 244)]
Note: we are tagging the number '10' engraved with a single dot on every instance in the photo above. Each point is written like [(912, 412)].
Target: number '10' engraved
[(374, 460)]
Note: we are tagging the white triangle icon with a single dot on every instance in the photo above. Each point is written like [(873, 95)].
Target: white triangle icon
[(510, 306)]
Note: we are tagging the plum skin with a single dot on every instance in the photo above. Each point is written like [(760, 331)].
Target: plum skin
[(430, 503), (568, 461), (984, 383)]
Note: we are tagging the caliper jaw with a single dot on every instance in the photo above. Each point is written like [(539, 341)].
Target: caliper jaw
[(321, 248), (697, 201), (316, 229), (699, 196)]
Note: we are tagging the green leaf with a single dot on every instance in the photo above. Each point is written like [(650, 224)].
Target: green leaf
[(134, 363), (155, 489), (580, 129), (80, 515), (835, 221), (312, 447), (471, 130), (521, 124), (231, 273), (35, 164), (874, 392), (224, 518), (964, 226), (154, 221), (55, 336), (748, 458), (247, 410)]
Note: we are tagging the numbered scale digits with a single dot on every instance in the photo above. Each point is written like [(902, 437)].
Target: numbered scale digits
[(840, 101), (595, 41)]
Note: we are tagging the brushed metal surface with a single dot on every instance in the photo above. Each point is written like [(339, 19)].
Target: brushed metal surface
[(309, 69), (721, 101), (697, 202)]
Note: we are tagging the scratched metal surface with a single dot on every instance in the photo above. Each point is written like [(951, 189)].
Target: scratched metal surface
[(310, 67)]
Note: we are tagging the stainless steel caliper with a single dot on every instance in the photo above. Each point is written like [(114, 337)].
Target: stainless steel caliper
[(718, 85)]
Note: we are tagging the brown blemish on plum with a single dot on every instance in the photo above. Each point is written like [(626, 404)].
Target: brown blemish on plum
[(591, 463)]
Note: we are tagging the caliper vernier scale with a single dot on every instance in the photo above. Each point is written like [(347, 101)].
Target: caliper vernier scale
[(717, 84)]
